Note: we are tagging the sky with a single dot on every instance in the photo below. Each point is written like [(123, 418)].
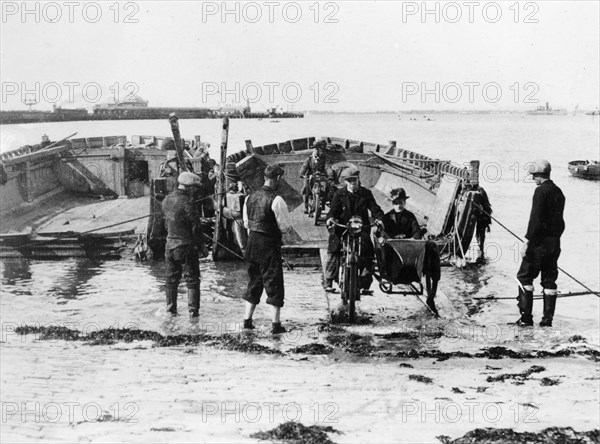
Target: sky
[(327, 56)]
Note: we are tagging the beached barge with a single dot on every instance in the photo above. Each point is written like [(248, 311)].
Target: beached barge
[(438, 196), (100, 196), (68, 198)]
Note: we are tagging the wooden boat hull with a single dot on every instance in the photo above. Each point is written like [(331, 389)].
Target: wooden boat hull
[(585, 169), (435, 187), (67, 245)]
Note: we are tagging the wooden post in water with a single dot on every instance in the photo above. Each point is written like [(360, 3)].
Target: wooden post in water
[(249, 147), (174, 120), (220, 191)]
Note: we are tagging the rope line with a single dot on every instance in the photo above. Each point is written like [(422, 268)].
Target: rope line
[(521, 240)]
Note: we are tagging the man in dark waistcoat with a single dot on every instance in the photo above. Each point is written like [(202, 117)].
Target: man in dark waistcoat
[(266, 217), (542, 245), (351, 200), (184, 241)]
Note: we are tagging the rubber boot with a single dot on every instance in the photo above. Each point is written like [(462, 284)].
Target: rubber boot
[(171, 300), (277, 328), (549, 306), (193, 303), (306, 204), (525, 304)]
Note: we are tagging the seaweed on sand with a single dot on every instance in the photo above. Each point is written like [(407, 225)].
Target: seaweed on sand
[(111, 336), (312, 349), (420, 378), (518, 377), (563, 435), (352, 343), (297, 433)]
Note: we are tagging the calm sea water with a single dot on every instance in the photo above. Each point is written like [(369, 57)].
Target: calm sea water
[(126, 291)]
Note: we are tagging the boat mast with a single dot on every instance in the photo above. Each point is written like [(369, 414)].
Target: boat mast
[(220, 189)]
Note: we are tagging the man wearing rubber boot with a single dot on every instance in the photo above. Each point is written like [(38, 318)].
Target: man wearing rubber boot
[(542, 245), (266, 217), (351, 200), (184, 241)]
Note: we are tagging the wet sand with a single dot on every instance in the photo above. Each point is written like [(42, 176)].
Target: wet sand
[(398, 376)]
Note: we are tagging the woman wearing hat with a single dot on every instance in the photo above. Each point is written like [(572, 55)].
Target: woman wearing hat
[(400, 223)]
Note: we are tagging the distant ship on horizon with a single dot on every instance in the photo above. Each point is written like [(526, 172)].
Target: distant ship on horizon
[(547, 111)]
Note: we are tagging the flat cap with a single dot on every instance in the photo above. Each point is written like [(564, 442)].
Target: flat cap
[(540, 166), (350, 172), (273, 171), (189, 179)]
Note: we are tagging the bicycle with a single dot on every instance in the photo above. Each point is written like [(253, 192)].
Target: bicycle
[(349, 269)]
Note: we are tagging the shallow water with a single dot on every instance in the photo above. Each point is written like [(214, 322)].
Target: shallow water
[(89, 294)]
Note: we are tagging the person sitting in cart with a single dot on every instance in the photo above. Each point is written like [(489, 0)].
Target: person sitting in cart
[(348, 201), (399, 223)]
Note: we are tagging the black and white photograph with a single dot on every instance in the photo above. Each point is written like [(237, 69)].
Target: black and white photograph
[(300, 222)]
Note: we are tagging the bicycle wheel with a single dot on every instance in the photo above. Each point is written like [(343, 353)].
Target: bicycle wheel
[(317, 207), (352, 277), (343, 284)]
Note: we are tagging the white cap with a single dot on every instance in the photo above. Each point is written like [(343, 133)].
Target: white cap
[(189, 179)]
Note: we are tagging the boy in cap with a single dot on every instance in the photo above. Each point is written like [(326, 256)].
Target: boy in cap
[(184, 241), (266, 217)]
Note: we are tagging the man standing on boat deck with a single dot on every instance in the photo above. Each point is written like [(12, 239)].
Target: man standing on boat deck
[(542, 245), (266, 217), (351, 200), (184, 241), (316, 163)]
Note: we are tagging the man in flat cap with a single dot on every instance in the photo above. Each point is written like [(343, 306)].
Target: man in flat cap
[(266, 217), (351, 200), (542, 245), (316, 164), (184, 242)]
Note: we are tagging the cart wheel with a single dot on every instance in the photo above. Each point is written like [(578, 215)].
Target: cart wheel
[(317, 207), (386, 286)]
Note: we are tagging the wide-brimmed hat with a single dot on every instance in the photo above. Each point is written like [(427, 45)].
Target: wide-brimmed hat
[(398, 194), (273, 171), (189, 179), (350, 172)]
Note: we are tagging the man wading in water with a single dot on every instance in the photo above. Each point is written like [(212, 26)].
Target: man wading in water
[(184, 241), (542, 245), (266, 218)]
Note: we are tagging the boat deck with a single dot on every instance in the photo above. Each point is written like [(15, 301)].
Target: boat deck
[(65, 225), (66, 213)]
